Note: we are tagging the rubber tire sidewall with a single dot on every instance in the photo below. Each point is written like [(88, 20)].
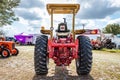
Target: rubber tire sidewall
[(85, 56), (16, 52), (41, 55), (7, 52)]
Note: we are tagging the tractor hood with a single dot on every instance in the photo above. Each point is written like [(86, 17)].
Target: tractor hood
[(8, 42)]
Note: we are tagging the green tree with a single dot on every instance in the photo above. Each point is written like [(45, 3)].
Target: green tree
[(7, 15), (112, 28)]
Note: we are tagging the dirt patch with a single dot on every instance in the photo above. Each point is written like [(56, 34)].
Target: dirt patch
[(106, 66)]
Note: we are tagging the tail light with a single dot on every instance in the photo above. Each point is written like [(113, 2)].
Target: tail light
[(88, 31), (94, 32)]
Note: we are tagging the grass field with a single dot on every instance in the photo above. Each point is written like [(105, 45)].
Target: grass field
[(106, 66), (111, 50)]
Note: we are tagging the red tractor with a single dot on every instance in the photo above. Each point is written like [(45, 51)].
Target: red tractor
[(64, 47), (7, 48), (96, 44)]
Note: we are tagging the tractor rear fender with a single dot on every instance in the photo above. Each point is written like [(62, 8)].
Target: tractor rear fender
[(52, 45), (7, 45)]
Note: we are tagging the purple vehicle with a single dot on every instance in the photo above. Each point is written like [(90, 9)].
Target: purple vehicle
[(24, 38)]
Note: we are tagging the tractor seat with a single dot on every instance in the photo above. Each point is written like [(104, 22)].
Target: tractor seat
[(62, 27), (62, 30)]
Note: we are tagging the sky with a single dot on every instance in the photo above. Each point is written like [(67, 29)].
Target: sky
[(95, 14)]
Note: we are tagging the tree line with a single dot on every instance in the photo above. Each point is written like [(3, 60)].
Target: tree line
[(7, 15), (112, 28)]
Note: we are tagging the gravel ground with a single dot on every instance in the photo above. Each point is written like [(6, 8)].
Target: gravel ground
[(106, 66)]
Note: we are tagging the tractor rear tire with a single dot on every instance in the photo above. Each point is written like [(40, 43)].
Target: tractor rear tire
[(5, 53), (41, 55), (17, 52), (84, 62)]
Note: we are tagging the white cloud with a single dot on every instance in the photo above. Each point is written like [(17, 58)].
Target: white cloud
[(23, 21), (114, 21), (29, 14), (87, 5), (91, 24), (96, 9), (30, 29), (9, 30), (106, 19), (115, 3), (31, 3), (34, 22), (38, 12)]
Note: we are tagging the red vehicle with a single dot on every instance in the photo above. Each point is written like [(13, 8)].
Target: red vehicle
[(96, 44), (64, 47), (7, 48)]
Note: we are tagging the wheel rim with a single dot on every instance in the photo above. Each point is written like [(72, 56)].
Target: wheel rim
[(5, 53), (15, 51)]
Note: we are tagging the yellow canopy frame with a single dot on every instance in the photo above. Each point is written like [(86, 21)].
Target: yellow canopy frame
[(62, 9)]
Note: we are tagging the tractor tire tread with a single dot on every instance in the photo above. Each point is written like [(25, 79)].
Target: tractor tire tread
[(40, 55), (85, 54)]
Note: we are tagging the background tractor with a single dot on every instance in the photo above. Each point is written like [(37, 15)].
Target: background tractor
[(92, 34), (107, 43), (96, 44), (7, 48), (64, 47)]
